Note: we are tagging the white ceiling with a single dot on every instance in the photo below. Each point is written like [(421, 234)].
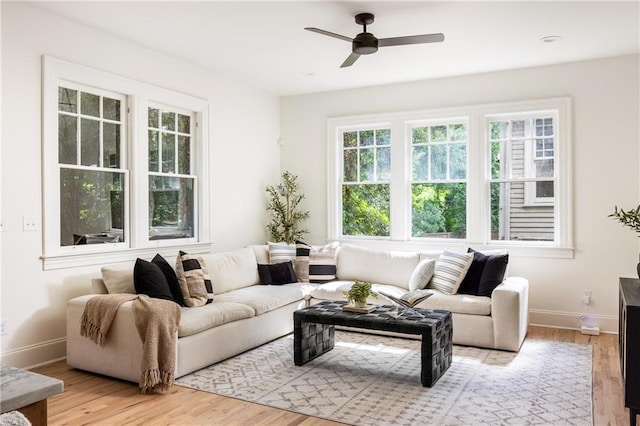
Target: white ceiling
[(264, 44)]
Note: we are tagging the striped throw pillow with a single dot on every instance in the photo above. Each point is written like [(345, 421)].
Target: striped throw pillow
[(281, 252), (194, 280), (301, 262), (322, 263), (451, 269)]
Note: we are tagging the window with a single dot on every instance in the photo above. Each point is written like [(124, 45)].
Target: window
[(438, 184), (92, 175), (171, 184), (366, 175), (125, 168), (496, 174)]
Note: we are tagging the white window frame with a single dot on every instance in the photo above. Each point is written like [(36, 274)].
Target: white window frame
[(139, 95), (478, 175), (530, 189)]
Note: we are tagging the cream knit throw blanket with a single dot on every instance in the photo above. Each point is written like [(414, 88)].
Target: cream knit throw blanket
[(157, 321)]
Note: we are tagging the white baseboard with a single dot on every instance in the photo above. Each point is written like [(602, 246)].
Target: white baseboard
[(572, 320), (34, 355)]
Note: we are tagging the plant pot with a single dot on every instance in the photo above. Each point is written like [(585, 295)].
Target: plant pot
[(359, 304)]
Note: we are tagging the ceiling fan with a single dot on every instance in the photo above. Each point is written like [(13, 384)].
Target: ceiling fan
[(366, 43)]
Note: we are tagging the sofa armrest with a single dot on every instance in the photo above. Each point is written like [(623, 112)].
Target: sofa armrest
[(510, 312)]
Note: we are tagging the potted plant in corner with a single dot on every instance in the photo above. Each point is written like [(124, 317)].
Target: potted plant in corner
[(285, 224), (359, 292), (630, 218)]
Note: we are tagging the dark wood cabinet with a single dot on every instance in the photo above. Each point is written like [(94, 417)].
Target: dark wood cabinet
[(629, 344)]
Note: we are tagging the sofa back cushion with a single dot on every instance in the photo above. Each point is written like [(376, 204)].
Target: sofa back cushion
[(376, 266), (232, 270)]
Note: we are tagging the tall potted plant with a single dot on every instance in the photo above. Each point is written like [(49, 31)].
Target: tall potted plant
[(286, 219), (629, 218)]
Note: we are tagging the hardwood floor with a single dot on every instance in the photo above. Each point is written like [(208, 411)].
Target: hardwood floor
[(98, 400)]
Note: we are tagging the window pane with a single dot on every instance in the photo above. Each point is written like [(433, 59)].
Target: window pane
[(168, 120), (519, 128), (439, 210), (458, 161), (419, 134), (419, 162), (111, 109), (544, 168), (458, 132), (90, 142), (383, 137), (365, 210), (91, 207), (168, 153), (499, 130), (350, 139), (171, 212), (153, 151), (111, 145), (438, 133), (512, 220), (184, 155), (90, 104), (350, 166), (153, 118), (544, 189), (438, 162), (67, 100), (366, 138), (184, 123), (366, 165), (67, 139), (496, 160), (383, 164)]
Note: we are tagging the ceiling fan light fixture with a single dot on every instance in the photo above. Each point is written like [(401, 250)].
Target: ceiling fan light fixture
[(365, 44)]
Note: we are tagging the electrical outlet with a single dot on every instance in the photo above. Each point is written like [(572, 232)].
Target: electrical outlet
[(586, 297), (3, 327), (30, 223), (2, 225)]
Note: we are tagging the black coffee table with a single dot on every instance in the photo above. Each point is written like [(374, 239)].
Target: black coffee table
[(314, 334)]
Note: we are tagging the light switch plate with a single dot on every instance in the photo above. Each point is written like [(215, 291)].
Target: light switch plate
[(30, 223)]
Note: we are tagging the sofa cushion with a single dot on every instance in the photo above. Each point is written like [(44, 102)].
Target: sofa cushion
[(232, 270), (194, 280), (261, 251), (264, 298), (196, 320), (451, 267), (118, 278), (277, 274), (148, 279), (323, 263), (171, 277), (376, 266), (458, 303), (422, 274), (281, 252)]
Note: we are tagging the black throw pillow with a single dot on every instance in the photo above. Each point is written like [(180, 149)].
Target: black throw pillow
[(148, 279), (171, 277), (277, 273), (471, 281), (493, 274)]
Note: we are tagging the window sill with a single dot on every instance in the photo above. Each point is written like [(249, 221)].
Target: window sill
[(75, 260), (517, 249)]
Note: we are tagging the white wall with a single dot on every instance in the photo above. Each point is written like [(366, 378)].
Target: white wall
[(245, 157), (606, 170)]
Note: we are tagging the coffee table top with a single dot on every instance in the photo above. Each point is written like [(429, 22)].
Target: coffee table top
[(385, 317), (21, 388)]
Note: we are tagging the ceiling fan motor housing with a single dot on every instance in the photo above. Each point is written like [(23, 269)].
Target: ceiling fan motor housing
[(365, 44)]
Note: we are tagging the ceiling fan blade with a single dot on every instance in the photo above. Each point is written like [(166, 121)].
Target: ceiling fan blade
[(330, 34), (416, 39), (350, 60)]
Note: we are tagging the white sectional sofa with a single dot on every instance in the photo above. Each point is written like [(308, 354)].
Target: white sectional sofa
[(246, 314)]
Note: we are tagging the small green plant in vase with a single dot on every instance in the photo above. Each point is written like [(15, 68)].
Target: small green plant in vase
[(359, 292)]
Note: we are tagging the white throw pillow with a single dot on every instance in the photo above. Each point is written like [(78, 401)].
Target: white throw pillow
[(422, 274), (118, 278), (451, 268)]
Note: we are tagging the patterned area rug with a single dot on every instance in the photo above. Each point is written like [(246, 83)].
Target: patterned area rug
[(375, 380)]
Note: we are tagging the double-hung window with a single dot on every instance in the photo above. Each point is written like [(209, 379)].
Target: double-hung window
[(125, 168), (495, 174)]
